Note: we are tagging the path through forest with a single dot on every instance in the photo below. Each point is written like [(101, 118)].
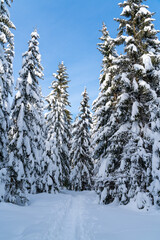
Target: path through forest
[(76, 216)]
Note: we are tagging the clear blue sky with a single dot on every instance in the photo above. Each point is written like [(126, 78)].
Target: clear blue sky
[(69, 31)]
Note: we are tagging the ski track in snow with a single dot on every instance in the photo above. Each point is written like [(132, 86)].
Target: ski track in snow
[(72, 226), (68, 222)]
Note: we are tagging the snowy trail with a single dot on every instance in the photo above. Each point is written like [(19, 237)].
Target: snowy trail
[(72, 226), (76, 216), (66, 221)]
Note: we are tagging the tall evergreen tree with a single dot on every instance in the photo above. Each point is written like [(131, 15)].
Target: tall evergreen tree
[(142, 49), (82, 164), (53, 173), (6, 37), (58, 129), (25, 135), (101, 110), (126, 171), (103, 106)]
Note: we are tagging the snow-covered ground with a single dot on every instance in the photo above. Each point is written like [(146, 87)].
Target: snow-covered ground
[(76, 216)]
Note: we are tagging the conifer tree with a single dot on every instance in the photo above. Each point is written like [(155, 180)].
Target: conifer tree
[(25, 135), (58, 130), (53, 173), (101, 111), (126, 172), (82, 172), (6, 37), (142, 49), (103, 106)]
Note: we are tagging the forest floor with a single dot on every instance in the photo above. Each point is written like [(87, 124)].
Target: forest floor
[(76, 216)]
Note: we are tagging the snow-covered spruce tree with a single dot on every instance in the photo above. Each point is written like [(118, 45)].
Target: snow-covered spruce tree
[(82, 164), (25, 136), (142, 49), (58, 130), (103, 106), (9, 55), (53, 168), (6, 37), (128, 168)]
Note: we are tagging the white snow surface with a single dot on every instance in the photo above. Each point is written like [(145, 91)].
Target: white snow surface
[(135, 110), (147, 62), (143, 11), (76, 216), (126, 9)]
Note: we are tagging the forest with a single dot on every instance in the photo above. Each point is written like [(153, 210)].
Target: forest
[(112, 147)]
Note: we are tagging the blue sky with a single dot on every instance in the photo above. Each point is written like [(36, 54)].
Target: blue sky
[(69, 31)]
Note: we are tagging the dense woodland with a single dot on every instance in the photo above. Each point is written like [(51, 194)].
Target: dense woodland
[(115, 150)]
